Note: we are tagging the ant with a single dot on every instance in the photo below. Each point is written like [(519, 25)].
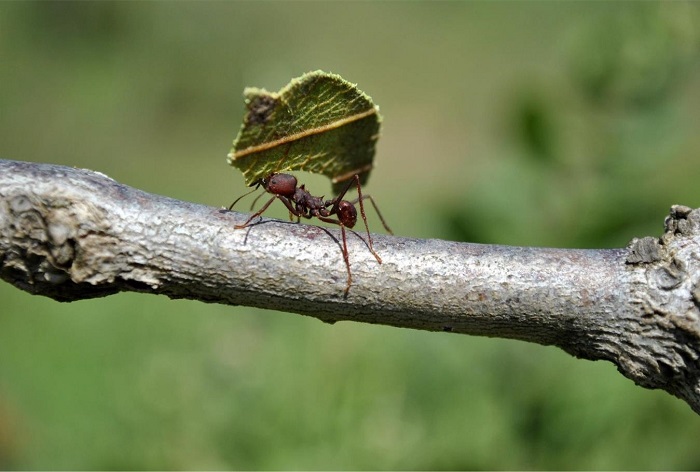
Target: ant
[(301, 203)]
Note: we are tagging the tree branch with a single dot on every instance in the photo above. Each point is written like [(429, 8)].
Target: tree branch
[(71, 234)]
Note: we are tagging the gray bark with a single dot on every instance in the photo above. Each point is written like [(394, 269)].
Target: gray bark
[(71, 234)]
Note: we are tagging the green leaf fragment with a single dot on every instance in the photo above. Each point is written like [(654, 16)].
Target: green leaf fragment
[(318, 123)]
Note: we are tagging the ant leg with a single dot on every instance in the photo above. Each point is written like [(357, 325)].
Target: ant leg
[(346, 256), (376, 208), (257, 213), (336, 201), (284, 200), (252, 205), (364, 217), (292, 211)]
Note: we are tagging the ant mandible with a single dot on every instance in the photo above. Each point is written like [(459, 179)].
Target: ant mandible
[(301, 203)]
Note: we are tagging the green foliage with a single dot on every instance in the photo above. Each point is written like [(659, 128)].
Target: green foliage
[(637, 58), (578, 147), (319, 123), (534, 127)]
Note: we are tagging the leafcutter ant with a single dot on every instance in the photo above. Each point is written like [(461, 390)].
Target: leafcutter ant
[(301, 203)]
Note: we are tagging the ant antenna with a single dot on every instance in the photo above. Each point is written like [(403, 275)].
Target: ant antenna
[(245, 195)]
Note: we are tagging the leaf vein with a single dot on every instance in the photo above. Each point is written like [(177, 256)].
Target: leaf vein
[(303, 134)]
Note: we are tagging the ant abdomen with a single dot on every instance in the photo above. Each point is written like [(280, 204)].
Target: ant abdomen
[(347, 213)]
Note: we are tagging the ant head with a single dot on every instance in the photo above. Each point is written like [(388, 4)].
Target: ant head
[(281, 184), (347, 214)]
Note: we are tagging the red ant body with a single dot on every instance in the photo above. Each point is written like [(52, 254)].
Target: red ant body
[(301, 203)]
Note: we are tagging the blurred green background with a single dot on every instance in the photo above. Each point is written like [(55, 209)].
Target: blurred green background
[(546, 124)]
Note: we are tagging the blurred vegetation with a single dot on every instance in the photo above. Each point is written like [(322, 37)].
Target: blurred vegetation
[(531, 124), (581, 144)]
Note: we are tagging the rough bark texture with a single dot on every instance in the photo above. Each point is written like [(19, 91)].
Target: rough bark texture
[(71, 234)]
